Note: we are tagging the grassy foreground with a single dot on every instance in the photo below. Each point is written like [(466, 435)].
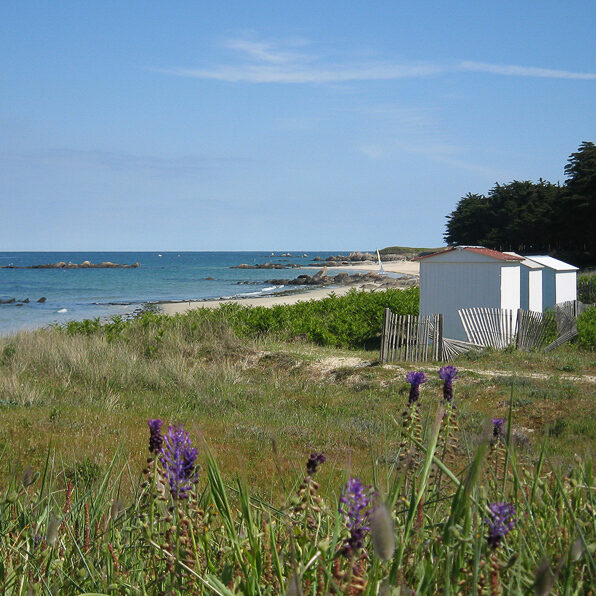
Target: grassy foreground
[(74, 406)]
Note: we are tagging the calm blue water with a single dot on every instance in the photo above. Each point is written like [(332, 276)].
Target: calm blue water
[(88, 293)]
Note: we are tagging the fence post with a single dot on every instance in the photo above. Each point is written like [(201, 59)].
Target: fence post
[(385, 334), (518, 337), (439, 337)]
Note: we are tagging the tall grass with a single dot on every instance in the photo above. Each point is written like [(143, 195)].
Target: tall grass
[(70, 534)]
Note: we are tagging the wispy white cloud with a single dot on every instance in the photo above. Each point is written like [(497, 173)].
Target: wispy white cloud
[(269, 62), (264, 51), (524, 71), (372, 151), (417, 131), (299, 73)]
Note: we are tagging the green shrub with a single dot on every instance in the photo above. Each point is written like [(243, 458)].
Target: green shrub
[(586, 288), (586, 326), (85, 327), (351, 321)]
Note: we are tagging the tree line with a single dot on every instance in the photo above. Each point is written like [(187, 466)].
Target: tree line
[(529, 217)]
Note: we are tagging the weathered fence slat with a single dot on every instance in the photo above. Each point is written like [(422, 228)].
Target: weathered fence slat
[(489, 327), (411, 337), (500, 328)]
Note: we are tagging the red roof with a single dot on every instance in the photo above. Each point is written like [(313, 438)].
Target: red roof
[(489, 252)]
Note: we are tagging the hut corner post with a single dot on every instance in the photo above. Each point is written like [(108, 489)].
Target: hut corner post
[(385, 334), (441, 348)]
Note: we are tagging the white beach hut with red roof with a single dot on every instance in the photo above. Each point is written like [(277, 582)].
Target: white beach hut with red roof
[(466, 277), (559, 280)]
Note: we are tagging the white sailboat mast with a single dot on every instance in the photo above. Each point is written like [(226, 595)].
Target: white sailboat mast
[(381, 270)]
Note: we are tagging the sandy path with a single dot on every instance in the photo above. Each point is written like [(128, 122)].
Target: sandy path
[(330, 363)]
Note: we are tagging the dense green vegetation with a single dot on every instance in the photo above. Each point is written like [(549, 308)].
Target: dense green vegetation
[(532, 217), (351, 321), (406, 251), (586, 327), (586, 287)]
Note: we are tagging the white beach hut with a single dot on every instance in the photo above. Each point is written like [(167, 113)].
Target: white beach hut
[(559, 280), (466, 277), (530, 284)]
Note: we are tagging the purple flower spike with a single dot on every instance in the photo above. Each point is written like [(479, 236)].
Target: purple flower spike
[(501, 522), (355, 506), (313, 463), (448, 374), (178, 459), (415, 379), (498, 427), (155, 439)]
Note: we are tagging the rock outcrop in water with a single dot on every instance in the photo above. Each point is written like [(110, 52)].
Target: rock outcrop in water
[(83, 265), (266, 266), (353, 257), (19, 302), (345, 279)]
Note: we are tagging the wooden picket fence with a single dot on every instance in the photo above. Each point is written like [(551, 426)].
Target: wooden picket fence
[(500, 328), (534, 329), (419, 339), (566, 314), (526, 330), (411, 337), (489, 327)]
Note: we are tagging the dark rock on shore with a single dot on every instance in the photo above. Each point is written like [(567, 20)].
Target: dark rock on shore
[(42, 300), (83, 265)]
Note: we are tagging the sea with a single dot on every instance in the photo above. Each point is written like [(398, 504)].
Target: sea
[(77, 294)]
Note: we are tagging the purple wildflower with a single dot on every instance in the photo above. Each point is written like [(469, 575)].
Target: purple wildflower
[(415, 379), (355, 506), (497, 428), (155, 438), (178, 459), (448, 374), (313, 463), (501, 522)]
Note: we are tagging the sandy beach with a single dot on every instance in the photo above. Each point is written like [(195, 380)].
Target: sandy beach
[(404, 267)]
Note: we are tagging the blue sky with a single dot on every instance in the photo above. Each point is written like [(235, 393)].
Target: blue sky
[(279, 125)]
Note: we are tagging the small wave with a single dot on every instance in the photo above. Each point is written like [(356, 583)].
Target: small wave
[(262, 292), (62, 310)]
